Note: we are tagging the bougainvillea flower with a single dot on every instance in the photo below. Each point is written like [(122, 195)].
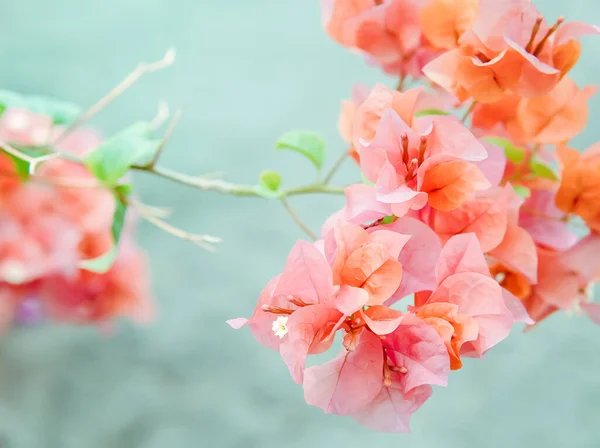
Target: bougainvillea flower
[(492, 215), (366, 260), (387, 32), (351, 384), (481, 316), (418, 257), (563, 279), (546, 224), (509, 48), (555, 117), (579, 191), (444, 21), (429, 162)]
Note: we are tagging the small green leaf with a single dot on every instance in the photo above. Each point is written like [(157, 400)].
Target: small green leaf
[(513, 153), (540, 169), (270, 180), (103, 263), (522, 191), (307, 143), (389, 219), (61, 112), (113, 158), (424, 112)]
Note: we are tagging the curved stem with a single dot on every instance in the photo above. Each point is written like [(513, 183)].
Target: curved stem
[(336, 166), (297, 218)]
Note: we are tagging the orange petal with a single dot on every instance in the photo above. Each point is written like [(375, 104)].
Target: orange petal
[(383, 282), (444, 21), (450, 183)]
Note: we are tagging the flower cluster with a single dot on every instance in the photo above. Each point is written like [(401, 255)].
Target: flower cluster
[(51, 224), (467, 224)]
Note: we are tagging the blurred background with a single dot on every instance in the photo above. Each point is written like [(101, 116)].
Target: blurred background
[(246, 71)]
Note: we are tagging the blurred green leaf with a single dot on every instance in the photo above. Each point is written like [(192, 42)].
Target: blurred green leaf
[(103, 263), (540, 169), (113, 158), (513, 153), (270, 180), (61, 112), (424, 112), (389, 219), (522, 191), (307, 143)]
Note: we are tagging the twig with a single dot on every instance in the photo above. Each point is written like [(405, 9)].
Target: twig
[(468, 112), (32, 161), (129, 80), (336, 166), (401, 82), (161, 116), (204, 241), (297, 219), (165, 139)]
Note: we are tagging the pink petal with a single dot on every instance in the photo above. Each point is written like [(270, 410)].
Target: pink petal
[(308, 328), (348, 383), (574, 30), (518, 252), (592, 310), (394, 242), (583, 258), (419, 348), (493, 167), (307, 275), (443, 69), (261, 322), (452, 138), (550, 230), (461, 254), (418, 257), (516, 307), (362, 206), (480, 297), (341, 243), (391, 410), (484, 216), (238, 323), (350, 299), (382, 320)]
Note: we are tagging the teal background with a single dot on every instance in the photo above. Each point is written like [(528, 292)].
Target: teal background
[(247, 71)]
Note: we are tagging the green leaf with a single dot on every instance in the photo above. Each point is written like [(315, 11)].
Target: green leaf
[(389, 219), (307, 143), (513, 153), (270, 180), (522, 191), (113, 158), (540, 169), (424, 112), (61, 112), (103, 263)]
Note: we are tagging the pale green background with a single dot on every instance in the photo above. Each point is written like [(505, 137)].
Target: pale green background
[(247, 70)]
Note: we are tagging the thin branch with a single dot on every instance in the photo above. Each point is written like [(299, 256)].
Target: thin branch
[(468, 112), (338, 163), (297, 219), (401, 82), (204, 241), (142, 69), (161, 116), (165, 139), (32, 161)]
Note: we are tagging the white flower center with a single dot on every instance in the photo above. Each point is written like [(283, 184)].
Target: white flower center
[(280, 326), (500, 277)]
